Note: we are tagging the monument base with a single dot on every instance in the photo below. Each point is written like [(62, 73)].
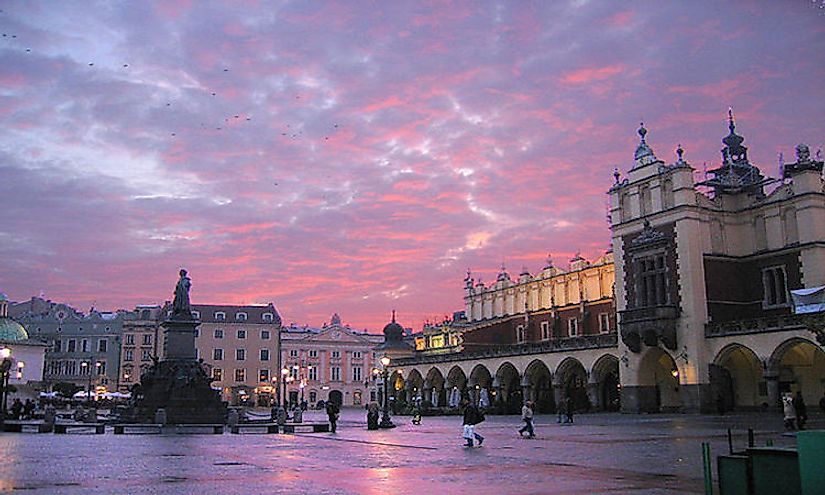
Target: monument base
[(182, 389)]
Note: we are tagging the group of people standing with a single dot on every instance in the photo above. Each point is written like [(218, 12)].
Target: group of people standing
[(794, 411)]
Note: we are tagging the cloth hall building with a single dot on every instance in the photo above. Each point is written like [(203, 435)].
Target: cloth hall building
[(691, 311)]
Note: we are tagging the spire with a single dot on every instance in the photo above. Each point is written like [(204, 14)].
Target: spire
[(644, 154), (393, 316)]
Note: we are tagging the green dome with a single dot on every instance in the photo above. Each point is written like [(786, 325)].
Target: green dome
[(11, 331)]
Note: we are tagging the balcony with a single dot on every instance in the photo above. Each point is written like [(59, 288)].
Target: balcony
[(649, 325)]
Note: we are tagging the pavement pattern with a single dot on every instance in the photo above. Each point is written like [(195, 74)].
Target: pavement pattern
[(599, 453)]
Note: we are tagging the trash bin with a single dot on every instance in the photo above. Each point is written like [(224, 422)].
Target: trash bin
[(811, 447)]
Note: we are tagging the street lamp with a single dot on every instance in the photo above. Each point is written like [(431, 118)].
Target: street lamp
[(284, 373), (386, 422), (5, 371)]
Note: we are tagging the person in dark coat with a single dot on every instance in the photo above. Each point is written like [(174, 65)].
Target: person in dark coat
[(332, 414), (16, 409), (372, 416), (28, 409), (801, 410), (472, 417)]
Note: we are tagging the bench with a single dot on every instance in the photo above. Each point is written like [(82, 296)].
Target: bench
[(269, 427), (15, 426), (159, 429), (63, 428), (138, 428), (306, 427)]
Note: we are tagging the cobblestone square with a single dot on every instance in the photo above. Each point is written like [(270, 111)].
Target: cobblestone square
[(599, 453)]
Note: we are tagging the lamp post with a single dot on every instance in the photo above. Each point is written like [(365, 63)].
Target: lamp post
[(5, 371), (386, 422), (284, 373)]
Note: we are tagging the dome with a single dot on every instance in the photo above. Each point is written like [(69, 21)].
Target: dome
[(11, 331), (393, 331)]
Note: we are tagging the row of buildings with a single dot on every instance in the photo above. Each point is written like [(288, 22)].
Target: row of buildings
[(692, 309), (245, 349)]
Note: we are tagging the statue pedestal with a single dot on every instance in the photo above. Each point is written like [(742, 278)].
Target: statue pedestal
[(178, 383)]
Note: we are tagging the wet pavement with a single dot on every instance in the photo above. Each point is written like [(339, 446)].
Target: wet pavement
[(599, 453)]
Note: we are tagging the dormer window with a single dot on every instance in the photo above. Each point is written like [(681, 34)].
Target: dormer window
[(267, 317), (220, 315), (240, 316), (196, 315)]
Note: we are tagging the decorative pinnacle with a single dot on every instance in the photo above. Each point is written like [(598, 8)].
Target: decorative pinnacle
[(679, 151), (642, 131), (393, 316), (731, 123), (616, 174)]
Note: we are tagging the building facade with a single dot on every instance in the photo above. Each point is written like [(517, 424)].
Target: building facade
[(22, 357), (141, 343), (330, 363), (83, 349), (239, 345)]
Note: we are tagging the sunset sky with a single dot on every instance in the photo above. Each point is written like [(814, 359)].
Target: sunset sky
[(359, 157)]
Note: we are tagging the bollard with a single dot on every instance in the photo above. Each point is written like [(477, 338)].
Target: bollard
[(730, 442), (707, 468), (750, 438)]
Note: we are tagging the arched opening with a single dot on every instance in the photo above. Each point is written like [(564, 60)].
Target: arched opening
[(434, 388), (734, 378), (571, 381), (658, 382), (799, 365), (508, 397), (539, 383), (480, 386), (415, 386), (397, 393), (605, 383), (336, 397), (456, 386)]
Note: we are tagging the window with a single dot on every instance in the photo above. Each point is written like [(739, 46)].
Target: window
[(520, 337), (356, 354), (267, 317), (58, 346), (774, 286), (312, 373), (263, 376), (293, 353), (217, 374), (293, 371), (84, 345), (147, 339), (127, 374), (241, 334), (220, 316), (240, 375), (312, 396), (356, 373), (335, 373), (71, 346), (101, 368), (313, 353), (264, 354), (545, 330), (146, 354), (572, 327), (196, 315), (128, 355), (102, 345), (264, 334), (217, 354), (651, 285), (240, 354), (129, 339), (336, 354), (218, 333), (71, 367), (604, 322), (240, 316)]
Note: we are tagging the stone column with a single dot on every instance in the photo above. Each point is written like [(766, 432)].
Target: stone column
[(593, 396), (772, 382)]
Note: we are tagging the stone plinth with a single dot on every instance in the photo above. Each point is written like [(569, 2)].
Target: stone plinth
[(179, 384)]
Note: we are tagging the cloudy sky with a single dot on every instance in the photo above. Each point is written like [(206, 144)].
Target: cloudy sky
[(359, 157)]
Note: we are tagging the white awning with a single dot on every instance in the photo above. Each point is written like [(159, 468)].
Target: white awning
[(809, 300)]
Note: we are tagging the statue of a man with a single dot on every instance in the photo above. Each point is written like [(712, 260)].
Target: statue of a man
[(180, 306)]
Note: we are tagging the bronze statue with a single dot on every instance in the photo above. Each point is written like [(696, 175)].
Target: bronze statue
[(180, 306)]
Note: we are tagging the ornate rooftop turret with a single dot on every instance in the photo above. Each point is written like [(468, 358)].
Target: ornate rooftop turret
[(503, 276), (644, 154), (736, 175)]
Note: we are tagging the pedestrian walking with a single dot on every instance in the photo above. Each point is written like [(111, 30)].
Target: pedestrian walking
[(332, 414), (789, 412), (527, 417), (472, 417), (801, 410), (568, 410)]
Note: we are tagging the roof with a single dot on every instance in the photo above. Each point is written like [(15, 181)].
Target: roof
[(11, 331)]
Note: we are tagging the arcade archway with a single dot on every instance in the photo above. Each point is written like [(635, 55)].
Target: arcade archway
[(604, 384), (508, 389), (538, 383), (571, 381), (735, 376), (658, 382)]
